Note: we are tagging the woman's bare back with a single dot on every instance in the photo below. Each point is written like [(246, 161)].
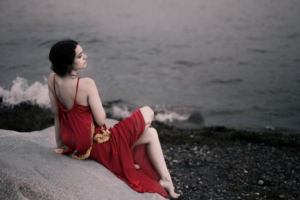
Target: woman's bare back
[(87, 95), (66, 91)]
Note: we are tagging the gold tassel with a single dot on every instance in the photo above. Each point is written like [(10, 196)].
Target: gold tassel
[(103, 137), (88, 152)]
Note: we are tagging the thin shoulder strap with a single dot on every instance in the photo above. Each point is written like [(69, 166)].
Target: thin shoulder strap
[(76, 89), (54, 86)]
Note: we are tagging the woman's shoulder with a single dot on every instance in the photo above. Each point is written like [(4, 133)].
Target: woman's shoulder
[(87, 80), (87, 84), (50, 79)]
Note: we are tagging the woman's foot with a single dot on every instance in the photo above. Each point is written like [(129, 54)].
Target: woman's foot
[(168, 185)]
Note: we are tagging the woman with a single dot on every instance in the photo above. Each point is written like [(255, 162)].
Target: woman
[(80, 127)]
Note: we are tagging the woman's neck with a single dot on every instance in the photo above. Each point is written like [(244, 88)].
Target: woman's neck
[(71, 75), (74, 73)]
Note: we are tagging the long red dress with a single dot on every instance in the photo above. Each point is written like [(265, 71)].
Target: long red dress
[(116, 153)]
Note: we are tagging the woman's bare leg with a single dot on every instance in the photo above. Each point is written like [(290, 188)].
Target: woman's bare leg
[(150, 138)]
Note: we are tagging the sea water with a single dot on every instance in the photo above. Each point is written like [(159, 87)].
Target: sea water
[(235, 61)]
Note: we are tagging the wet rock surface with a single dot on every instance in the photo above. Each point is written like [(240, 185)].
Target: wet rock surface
[(245, 171)]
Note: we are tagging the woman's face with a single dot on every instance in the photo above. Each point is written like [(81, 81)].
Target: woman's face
[(80, 59)]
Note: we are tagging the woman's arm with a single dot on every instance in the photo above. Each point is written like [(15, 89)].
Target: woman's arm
[(54, 105), (95, 103)]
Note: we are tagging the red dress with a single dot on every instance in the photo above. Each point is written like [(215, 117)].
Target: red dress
[(116, 153)]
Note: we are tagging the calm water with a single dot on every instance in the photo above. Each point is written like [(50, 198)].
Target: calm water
[(236, 61)]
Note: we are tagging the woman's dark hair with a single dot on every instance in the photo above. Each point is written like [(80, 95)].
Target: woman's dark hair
[(62, 55)]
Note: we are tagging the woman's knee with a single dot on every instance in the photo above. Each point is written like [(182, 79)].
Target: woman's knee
[(148, 114), (149, 136), (152, 134)]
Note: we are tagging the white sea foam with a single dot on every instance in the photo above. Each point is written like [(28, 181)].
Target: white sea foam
[(120, 112), (37, 93), (163, 115), (170, 116)]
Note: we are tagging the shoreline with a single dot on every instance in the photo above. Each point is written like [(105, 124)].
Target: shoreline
[(26, 117)]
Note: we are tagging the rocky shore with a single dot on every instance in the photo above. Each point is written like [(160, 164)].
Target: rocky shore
[(232, 164), (251, 171), (210, 163)]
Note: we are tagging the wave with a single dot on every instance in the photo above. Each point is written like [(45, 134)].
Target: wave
[(230, 81), (120, 112), (180, 117), (162, 113), (37, 93), (169, 114), (121, 109), (261, 51), (188, 63)]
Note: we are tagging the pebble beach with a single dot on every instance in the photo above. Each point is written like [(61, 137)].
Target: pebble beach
[(242, 171)]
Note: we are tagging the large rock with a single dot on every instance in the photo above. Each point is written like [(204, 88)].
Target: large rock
[(29, 169)]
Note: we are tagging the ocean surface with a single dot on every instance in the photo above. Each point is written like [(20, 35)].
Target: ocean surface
[(237, 62)]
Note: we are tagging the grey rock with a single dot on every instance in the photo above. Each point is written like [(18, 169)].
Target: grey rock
[(196, 118), (30, 169)]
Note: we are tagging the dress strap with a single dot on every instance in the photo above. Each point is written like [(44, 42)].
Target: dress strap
[(76, 89), (54, 86)]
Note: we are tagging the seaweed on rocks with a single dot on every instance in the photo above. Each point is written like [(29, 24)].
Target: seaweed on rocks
[(223, 137), (25, 117)]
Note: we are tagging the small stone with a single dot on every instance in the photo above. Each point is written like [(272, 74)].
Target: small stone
[(270, 128), (281, 196), (256, 193), (245, 171), (249, 146), (260, 182), (186, 186), (175, 161)]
